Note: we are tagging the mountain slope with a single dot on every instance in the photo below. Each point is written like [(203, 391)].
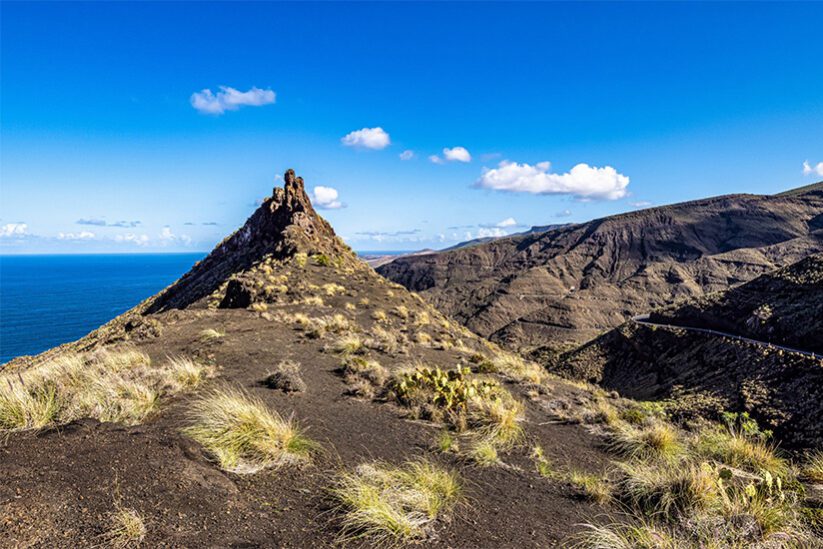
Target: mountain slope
[(704, 373), (283, 313), (563, 287)]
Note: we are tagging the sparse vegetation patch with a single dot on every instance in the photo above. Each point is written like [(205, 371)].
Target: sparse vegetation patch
[(389, 505)]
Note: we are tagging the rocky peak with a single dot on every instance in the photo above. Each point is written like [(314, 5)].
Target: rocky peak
[(285, 224)]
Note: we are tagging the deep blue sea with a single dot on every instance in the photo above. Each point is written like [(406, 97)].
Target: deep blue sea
[(47, 300)]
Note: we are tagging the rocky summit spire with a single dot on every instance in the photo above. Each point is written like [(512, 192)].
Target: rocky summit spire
[(285, 224)]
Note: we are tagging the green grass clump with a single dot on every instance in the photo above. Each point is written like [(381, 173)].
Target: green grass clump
[(542, 463), (390, 505), (243, 434), (594, 487)]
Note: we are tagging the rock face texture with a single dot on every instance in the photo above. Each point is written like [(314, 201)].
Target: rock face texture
[(285, 224), (706, 373), (560, 288)]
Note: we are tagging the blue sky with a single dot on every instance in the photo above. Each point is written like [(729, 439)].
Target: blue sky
[(104, 150)]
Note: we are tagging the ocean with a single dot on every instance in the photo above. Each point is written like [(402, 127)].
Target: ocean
[(48, 300)]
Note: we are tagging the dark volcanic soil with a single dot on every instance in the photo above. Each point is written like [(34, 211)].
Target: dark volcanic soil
[(59, 485)]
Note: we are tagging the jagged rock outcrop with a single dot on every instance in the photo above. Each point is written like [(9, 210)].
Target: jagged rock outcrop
[(285, 224)]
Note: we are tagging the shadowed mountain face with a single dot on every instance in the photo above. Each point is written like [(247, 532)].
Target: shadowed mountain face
[(563, 287), (704, 373), (285, 224)]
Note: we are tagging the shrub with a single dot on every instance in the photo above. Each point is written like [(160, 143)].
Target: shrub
[(363, 376), (402, 311), (332, 289), (383, 340), (286, 377), (313, 301), (243, 434), (389, 505), (300, 259), (259, 307), (379, 315), (463, 401)]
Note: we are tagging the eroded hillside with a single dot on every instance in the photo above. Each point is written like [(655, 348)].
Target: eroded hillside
[(561, 288)]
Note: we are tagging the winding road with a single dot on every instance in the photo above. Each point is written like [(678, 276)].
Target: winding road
[(644, 320)]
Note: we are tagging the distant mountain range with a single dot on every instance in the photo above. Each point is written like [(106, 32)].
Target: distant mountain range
[(559, 288)]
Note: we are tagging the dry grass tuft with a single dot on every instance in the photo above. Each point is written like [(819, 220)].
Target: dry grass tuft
[(243, 434), (512, 366), (657, 441), (118, 385), (739, 450), (210, 333), (379, 316), (813, 467), (387, 505), (127, 529)]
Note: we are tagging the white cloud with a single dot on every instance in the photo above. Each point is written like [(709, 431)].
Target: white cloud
[(230, 99), (167, 237), (435, 159), (640, 204), (493, 232), (407, 155), (82, 235), (457, 154), (367, 138), (140, 240), (508, 222), (808, 169), (564, 213), (326, 198), (14, 230), (583, 181)]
